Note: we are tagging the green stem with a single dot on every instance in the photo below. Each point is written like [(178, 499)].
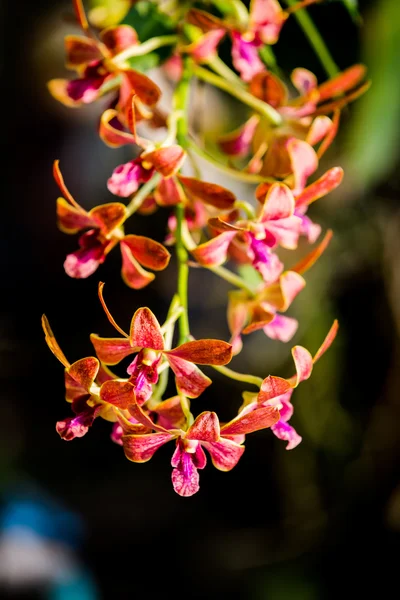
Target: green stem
[(258, 105), (235, 173), (253, 379), (145, 48), (232, 278), (315, 39), (181, 101), (144, 191), (218, 65)]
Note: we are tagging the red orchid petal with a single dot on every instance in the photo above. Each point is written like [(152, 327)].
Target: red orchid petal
[(112, 350), (70, 219), (273, 387), (205, 428), (110, 130), (330, 135), (238, 142), (304, 365), (204, 352), (205, 48), (325, 184), (148, 206), (343, 82), (149, 253), (84, 371), (146, 90), (108, 216), (64, 190), (145, 331), (132, 273), (209, 193), (80, 14), (52, 342), (282, 294), (170, 413), (166, 161), (140, 448), (238, 312), (260, 418), (319, 129), (304, 162), (269, 88), (168, 193), (335, 105), (225, 454), (327, 341), (281, 328), (118, 38), (185, 477), (108, 314), (81, 51), (190, 381), (259, 324), (73, 390), (104, 374), (215, 251), (118, 393), (308, 261), (304, 80), (279, 203), (58, 88)]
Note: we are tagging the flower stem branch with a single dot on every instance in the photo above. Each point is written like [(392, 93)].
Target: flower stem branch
[(144, 191), (232, 278), (145, 48), (315, 39), (259, 106), (246, 378)]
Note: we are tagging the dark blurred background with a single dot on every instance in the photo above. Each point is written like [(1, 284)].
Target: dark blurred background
[(80, 522)]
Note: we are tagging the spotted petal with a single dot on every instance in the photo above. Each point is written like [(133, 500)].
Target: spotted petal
[(145, 331), (80, 51), (205, 428), (112, 350), (132, 273), (70, 219), (215, 251), (209, 193), (118, 393), (166, 161), (260, 418), (225, 454), (203, 352), (148, 252), (140, 448), (84, 371)]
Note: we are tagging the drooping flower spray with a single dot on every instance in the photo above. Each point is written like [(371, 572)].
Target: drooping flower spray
[(277, 149)]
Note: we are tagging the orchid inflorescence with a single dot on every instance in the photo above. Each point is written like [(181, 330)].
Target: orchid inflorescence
[(277, 147)]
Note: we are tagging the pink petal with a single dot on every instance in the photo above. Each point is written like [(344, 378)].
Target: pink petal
[(304, 80), (319, 129), (112, 132), (166, 161), (215, 251), (92, 253), (343, 82), (278, 204), (281, 328), (238, 142), (185, 477), (260, 418), (205, 48), (286, 231), (118, 38), (304, 364), (267, 18), (204, 352), (304, 162), (111, 350), (205, 428), (145, 331), (170, 414), (291, 284), (245, 57), (132, 273), (126, 178), (140, 448), (190, 381), (148, 252), (168, 192), (225, 454), (284, 431), (311, 230)]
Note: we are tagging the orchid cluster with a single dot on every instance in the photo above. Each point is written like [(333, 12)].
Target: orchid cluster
[(278, 147)]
